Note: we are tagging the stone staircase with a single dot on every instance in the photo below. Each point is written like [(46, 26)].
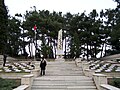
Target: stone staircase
[(63, 76)]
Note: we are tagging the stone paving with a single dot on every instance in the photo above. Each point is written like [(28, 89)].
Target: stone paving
[(63, 76)]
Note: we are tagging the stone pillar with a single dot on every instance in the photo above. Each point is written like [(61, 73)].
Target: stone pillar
[(27, 80), (99, 79)]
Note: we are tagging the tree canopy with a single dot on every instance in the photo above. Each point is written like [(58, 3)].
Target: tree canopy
[(3, 27), (84, 35)]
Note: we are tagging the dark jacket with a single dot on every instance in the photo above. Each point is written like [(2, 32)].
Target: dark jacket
[(43, 64)]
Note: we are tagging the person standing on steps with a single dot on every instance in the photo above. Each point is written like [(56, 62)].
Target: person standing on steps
[(43, 64)]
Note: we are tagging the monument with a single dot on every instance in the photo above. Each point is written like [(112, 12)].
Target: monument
[(60, 52)]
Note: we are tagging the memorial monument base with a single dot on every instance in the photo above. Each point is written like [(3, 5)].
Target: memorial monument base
[(59, 59)]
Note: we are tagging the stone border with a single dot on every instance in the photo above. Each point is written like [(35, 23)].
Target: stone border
[(101, 82), (13, 75), (22, 87), (108, 87)]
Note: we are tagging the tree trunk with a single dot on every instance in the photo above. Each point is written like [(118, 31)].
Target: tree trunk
[(29, 49), (102, 50), (87, 52), (54, 43), (95, 50), (65, 47), (105, 48), (48, 46)]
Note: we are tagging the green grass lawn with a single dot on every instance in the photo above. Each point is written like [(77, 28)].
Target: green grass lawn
[(114, 82), (9, 84)]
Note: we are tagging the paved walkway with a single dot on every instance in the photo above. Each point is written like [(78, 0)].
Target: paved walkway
[(63, 76)]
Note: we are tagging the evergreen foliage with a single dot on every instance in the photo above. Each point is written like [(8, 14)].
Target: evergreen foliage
[(3, 27), (6, 84), (85, 35)]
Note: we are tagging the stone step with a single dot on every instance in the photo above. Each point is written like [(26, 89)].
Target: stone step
[(63, 81), (63, 76), (64, 69), (71, 83), (64, 87), (64, 73), (56, 67), (87, 80), (76, 78)]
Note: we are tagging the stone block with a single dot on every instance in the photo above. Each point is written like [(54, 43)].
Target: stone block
[(89, 72), (99, 79), (35, 72), (27, 79)]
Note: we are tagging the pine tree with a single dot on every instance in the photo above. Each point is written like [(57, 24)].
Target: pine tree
[(3, 26)]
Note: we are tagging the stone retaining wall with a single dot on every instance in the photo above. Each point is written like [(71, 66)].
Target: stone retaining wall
[(12, 75)]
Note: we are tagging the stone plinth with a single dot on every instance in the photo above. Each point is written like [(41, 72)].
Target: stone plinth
[(89, 72), (99, 79), (27, 80), (22, 87), (35, 72)]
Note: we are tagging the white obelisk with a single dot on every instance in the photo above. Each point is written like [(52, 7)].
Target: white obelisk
[(60, 52)]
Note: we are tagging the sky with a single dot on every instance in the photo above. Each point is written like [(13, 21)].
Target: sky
[(64, 6)]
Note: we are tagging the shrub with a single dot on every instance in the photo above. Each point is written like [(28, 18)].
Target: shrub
[(8, 84), (115, 82)]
